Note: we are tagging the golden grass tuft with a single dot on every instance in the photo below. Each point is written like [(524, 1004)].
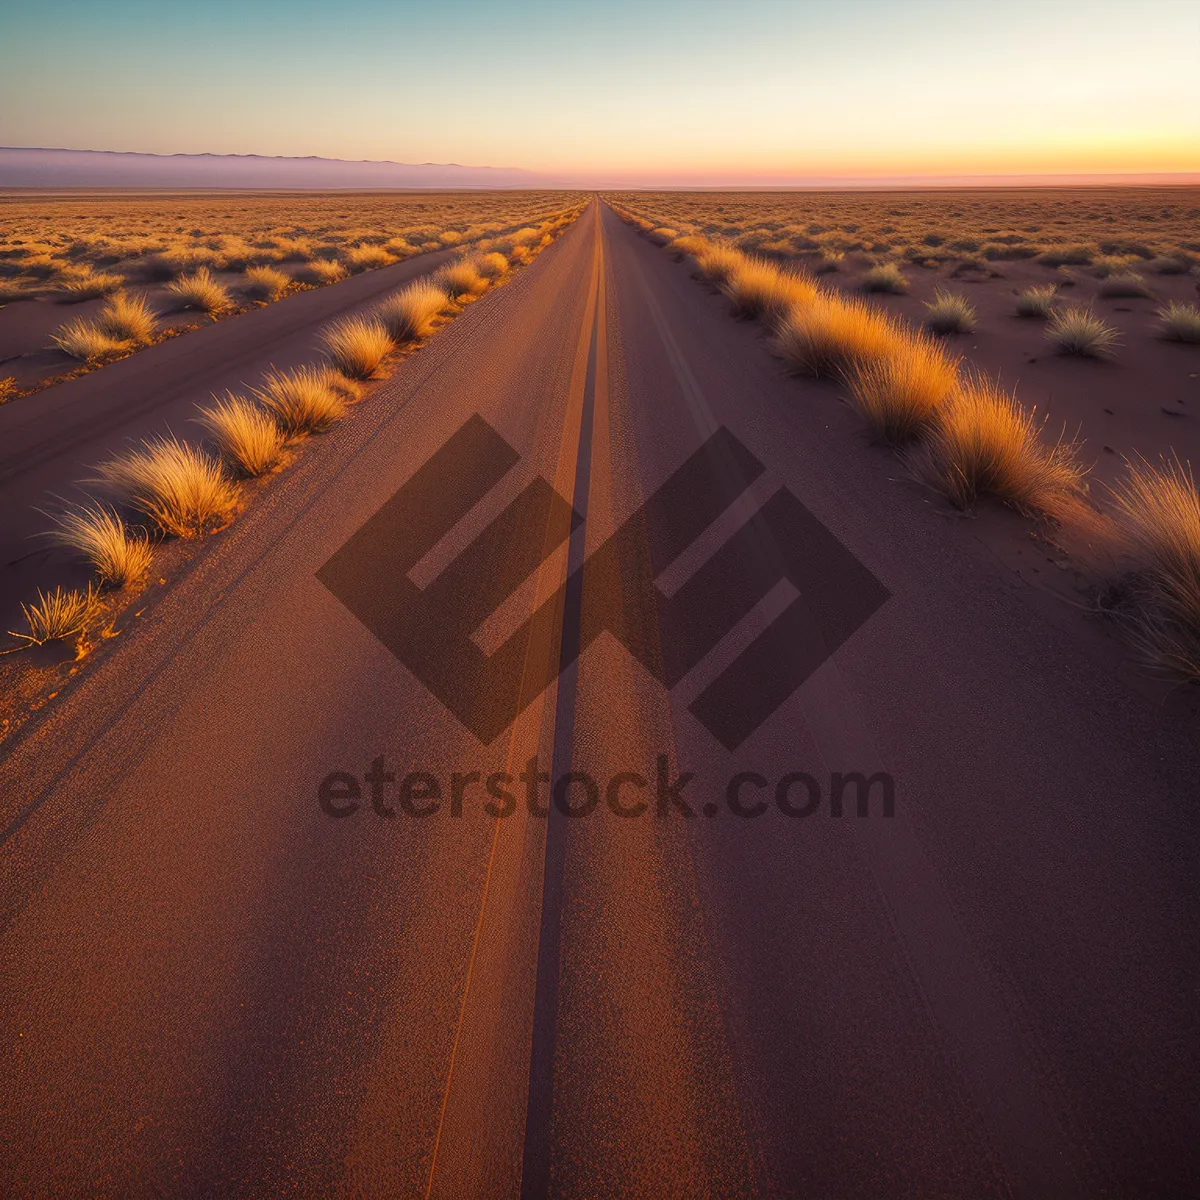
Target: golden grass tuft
[(900, 392), (1157, 514), (201, 290), (1180, 323), (1080, 331), (83, 340), (127, 318), (1037, 301), (950, 312), (886, 277), (357, 346), (89, 285), (366, 258), (265, 283), (182, 489), (409, 313), (302, 401), (824, 337), (492, 266), (760, 289), (322, 270), (717, 262), (984, 443), (460, 279), (57, 615), (120, 556), (248, 437)]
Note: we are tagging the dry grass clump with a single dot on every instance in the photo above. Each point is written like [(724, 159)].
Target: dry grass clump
[(1157, 512), (83, 340), (824, 337), (302, 401), (760, 289), (410, 312), (1124, 283), (1170, 264), (950, 312), (1180, 323), (1037, 301), (201, 290), (886, 277), (248, 438), (88, 285), (983, 443), (181, 489), (491, 266), (126, 318), (1066, 256), (900, 392), (57, 615), (265, 283), (460, 279), (717, 262), (1080, 331), (322, 270), (120, 557), (366, 258), (357, 346)]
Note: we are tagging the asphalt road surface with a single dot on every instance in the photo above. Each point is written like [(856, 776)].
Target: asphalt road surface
[(214, 987)]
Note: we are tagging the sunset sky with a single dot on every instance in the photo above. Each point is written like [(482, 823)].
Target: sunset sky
[(702, 91)]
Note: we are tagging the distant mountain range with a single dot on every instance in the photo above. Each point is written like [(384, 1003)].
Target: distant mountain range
[(38, 168)]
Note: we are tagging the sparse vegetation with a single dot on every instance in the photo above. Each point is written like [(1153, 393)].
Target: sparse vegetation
[(409, 313), (1037, 301), (303, 401), (460, 279), (1124, 283), (886, 277), (950, 312), (119, 555), (126, 318), (201, 290), (181, 489), (322, 271), (83, 340), (357, 346), (250, 439), (266, 283), (56, 616), (1080, 331), (900, 392), (826, 337), (1157, 511), (1180, 323), (984, 443), (760, 289), (88, 285)]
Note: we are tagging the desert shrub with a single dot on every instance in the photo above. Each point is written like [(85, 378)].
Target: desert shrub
[(302, 401), (760, 289), (409, 313), (1037, 301), (885, 277), (829, 334), (265, 283), (366, 258), (119, 555), (1170, 264), (357, 346), (1080, 331), (201, 290), (84, 341), (248, 437), (460, 279), (950, 312), (57, 615), (322, 270), (900, 391), (1066, 256), (1157, 514), (126, 318), (1180, 322), (1124, 283), (491, 266), (983, 443), (181, 489)]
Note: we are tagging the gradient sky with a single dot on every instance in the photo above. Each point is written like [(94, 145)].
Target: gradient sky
[(711, 91)]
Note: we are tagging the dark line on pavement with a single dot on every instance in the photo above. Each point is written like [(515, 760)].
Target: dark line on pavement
[(539, 1112)]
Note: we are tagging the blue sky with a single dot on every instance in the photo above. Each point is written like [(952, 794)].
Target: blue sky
[(755, 88)]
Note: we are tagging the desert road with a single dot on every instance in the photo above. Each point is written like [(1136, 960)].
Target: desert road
[(215, 986)]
